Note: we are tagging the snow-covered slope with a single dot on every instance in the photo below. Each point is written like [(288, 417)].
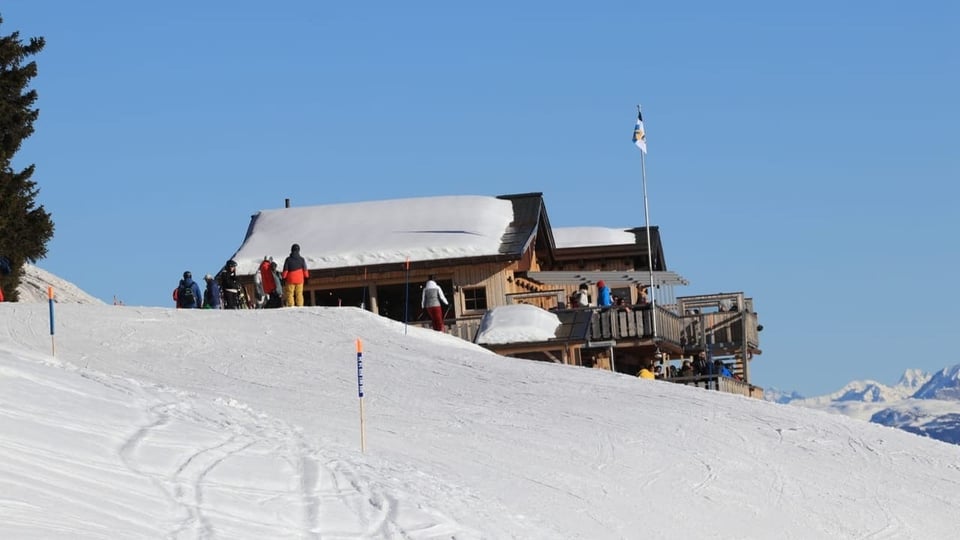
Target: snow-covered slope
[(164, 423)]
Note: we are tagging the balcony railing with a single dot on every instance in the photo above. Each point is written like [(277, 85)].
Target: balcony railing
[(635, 322), (719, 332), (719, 382), (725, 330)]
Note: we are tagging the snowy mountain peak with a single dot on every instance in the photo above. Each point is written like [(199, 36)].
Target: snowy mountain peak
[(866, 391), (919, 403), (777, 395), (944, 384), (913, 379), (870, 391)]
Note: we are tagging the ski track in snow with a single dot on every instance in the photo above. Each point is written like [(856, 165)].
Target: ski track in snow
[(177, 449)]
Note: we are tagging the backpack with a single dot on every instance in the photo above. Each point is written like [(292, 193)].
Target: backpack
[(186, 296)]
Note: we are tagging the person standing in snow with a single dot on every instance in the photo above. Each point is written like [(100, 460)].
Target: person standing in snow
[(431, 300), (230, 286), (270, 281), (211, 295), (188, 293), (294, 275)]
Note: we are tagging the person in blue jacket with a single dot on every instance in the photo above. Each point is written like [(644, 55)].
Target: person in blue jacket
[(211, 295), (603, 295), (721, 369), (188, 293)]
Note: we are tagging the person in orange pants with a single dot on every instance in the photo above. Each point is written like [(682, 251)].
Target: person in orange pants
[(294, 275)]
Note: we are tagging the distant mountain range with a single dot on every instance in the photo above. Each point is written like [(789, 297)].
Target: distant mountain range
[(921, 403)]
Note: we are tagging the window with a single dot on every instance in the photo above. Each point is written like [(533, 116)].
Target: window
[(475, 298)]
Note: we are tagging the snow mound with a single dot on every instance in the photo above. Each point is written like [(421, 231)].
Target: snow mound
[(35, 282), (517, 323)]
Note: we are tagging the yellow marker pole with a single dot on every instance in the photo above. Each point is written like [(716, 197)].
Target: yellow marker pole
[(363, 440), (53, 343)]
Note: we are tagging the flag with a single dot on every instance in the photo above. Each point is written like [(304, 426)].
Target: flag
[(639, 136)]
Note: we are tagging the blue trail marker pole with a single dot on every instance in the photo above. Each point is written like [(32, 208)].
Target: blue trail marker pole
[(53, 343), (363, 440)]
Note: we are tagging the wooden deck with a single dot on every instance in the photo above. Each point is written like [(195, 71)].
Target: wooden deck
[(626, 338)]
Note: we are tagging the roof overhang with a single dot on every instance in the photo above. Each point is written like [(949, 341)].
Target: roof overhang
[(612, 277)]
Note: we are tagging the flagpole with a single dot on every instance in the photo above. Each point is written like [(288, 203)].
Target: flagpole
[(646, 219)]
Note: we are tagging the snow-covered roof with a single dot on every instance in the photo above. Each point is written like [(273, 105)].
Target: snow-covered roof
[(394, 231), (570, 237), (378, 232)]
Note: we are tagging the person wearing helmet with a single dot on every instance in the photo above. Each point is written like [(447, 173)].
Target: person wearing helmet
[(230, 286)]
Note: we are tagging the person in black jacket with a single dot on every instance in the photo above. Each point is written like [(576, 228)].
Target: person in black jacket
[(230, 286)]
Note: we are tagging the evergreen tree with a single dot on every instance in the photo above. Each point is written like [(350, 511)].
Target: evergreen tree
[(25, 228)]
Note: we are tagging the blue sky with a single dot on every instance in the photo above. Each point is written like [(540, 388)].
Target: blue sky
[(804, 154)]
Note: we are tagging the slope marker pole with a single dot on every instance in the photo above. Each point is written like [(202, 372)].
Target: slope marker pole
[(363, 439), (53, 342)]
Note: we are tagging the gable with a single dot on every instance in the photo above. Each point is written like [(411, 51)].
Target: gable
[(587, 245)]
